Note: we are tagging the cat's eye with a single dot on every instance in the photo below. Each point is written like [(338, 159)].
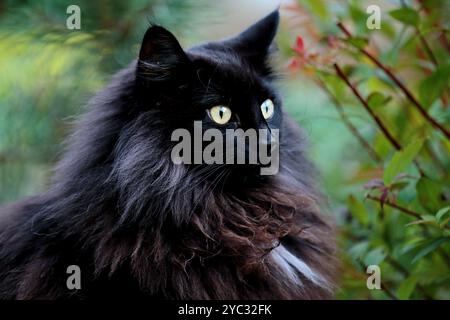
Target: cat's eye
[(220, 114), (267, 109)]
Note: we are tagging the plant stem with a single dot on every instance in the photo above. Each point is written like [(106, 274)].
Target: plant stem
[(348, 123), (380, 124), (402, 87), (443, 40), (400, 208), (358, 95), (388, 291), (427, 48), (396, 206)]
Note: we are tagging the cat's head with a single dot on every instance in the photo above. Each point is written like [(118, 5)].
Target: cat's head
[(225, 84), (126, 140)]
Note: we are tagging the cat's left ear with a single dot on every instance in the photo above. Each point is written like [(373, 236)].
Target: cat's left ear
[(256, 43), (161, 57)]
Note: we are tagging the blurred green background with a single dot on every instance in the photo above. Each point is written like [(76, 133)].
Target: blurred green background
[(48, 72)]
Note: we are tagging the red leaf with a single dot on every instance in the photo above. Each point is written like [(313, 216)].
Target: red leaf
[(299, 46), (374, 184)]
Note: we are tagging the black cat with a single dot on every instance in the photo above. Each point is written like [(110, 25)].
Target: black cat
[(139, 225)]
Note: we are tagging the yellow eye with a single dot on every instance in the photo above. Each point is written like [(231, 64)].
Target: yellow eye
[(267, 109), (220, 114)]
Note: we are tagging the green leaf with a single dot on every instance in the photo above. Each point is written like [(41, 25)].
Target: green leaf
[(428, 247), (358, 210), (398, 185), (441, 214), (358, 250), (359, 17), (406, 15), (433, 86), (413, 245), (406, 288), (375, 100), (429, 194), (426, 219), (375, 257), (401, 160)]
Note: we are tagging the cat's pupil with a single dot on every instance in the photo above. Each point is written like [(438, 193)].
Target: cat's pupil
[(221, 113)]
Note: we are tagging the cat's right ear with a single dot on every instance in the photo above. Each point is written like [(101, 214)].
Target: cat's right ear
[(161, 57)]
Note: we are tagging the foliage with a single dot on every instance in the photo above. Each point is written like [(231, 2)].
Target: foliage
[(389, 88), (48, 73)]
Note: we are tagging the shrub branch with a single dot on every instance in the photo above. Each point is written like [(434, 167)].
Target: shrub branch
[(348, 123), (399, 208), (377, 119), (363, 101), (396, 206), (402, 87)]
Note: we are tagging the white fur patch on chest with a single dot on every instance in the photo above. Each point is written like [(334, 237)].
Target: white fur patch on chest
[(293, 265)]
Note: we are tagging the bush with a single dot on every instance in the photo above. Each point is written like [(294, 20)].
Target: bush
[(389, 87)]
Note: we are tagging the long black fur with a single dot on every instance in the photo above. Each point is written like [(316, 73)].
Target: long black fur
[(139, 226)]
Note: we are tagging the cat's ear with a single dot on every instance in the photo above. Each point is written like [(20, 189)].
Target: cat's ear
[(161, 57), (256, 42)]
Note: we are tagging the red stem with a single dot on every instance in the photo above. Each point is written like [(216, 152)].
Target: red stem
[(348, 123), (402, 87), (399, 208), (378, 121)]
